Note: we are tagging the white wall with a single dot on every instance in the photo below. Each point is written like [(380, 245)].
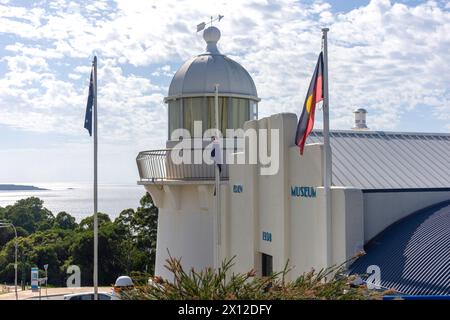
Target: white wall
[(308, 227), (347, 223), (273, 213), (296, 224), (384, 208), (185, 226), (243, 219)]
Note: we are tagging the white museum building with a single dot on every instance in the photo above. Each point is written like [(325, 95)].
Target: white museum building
[(390, 191)]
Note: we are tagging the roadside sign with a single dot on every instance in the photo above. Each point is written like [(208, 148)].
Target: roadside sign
[(34, 279), (45, 267)]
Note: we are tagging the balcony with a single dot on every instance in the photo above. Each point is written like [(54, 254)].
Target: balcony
[(156, 166)]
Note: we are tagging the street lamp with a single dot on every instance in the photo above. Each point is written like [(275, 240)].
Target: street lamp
[(6, 224)]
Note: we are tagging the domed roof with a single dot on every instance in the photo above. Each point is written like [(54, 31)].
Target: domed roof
[(198, 75)]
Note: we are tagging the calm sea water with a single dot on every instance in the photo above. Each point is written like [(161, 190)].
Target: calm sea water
[(77, 198)]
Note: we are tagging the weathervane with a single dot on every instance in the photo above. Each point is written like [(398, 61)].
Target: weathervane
[(202, 25)]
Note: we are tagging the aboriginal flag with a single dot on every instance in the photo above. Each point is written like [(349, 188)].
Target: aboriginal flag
[(314, 96)]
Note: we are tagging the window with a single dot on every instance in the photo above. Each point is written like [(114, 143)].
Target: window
[(223, 114), (267, 265), (194, 110), (253, 110), (239, 113), (174, 115), (233, 112)]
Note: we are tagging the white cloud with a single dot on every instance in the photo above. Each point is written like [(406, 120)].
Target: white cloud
[(387, 57), (129, 106), (85, 69), (165, 71), (74, 76), (47, 53)]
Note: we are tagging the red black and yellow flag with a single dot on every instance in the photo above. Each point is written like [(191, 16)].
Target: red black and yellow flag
[(314, 96)]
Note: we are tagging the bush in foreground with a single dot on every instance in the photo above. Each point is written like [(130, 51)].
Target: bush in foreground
[(208, 284)]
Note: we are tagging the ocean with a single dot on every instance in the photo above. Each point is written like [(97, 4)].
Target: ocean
[(77, 198)]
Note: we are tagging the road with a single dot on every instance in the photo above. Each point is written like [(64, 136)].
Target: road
[(53, 293)]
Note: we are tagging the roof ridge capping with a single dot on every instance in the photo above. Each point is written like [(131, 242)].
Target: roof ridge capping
[(386, 133)]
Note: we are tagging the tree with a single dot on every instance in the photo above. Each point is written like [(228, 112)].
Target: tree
[(88, 222), (110, 254), (126, 246), (29, 214), (142, 226), (7, 234), (64, 220), (145, 224), (49, 247)]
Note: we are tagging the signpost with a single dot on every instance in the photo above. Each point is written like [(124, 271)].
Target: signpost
[(46, 278)]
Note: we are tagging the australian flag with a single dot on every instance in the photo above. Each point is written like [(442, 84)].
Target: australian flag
[(213, 155), (216, 155), (89, 106)]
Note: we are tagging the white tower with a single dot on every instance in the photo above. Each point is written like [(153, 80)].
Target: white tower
[(184, 193)]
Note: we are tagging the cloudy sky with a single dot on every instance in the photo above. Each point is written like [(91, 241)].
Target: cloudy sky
[(390, 57)]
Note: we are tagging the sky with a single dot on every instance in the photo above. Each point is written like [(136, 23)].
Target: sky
[(390, 57)]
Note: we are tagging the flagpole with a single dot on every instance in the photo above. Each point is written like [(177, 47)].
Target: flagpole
[(95, 277), (217, 177), (327, 174)]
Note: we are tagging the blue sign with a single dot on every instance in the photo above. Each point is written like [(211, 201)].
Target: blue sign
[(238, 188), (267, 236), (303, 191), (34, 279)]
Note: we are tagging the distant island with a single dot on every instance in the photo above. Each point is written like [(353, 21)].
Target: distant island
[(18, 187)]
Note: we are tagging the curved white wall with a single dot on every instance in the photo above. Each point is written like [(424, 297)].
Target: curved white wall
[(187, 235), (185, 226), (381, 209)]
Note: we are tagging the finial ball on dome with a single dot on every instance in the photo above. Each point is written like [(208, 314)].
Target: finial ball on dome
[(211, 34)]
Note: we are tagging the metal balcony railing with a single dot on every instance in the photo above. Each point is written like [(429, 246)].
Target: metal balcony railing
[(157, 165)]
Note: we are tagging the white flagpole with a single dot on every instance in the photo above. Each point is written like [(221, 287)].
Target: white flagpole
[(217, 176), (327, 153), (95, 186)]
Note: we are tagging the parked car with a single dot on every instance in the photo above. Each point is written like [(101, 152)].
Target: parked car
[(123, 283), (90, 296)]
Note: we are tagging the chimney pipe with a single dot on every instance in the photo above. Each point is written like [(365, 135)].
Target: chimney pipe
[(360, 119)]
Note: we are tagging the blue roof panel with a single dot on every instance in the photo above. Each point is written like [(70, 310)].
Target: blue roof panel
[(413, 254)]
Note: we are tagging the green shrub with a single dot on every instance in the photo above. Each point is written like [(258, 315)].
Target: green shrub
[(209, 284)]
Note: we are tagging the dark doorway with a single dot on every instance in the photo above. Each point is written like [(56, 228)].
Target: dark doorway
[(267, 266)]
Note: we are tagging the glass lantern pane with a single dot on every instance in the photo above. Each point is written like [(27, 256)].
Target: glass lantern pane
[(174, 116), (223, 114), (193, 110), (240, 112)]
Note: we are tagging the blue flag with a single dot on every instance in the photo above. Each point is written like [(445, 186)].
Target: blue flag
[(217, 155), (90, 104)]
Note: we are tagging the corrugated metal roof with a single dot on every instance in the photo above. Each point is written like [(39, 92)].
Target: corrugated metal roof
[(388, 160), (199, 75), (413, 254)]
